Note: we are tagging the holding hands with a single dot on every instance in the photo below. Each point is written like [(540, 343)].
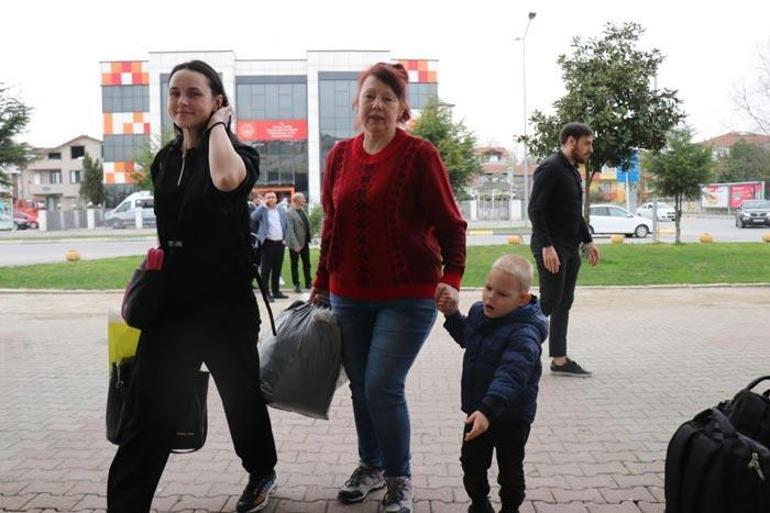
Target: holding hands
[(447, 299)]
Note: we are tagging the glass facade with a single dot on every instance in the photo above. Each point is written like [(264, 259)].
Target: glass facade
[(418, 94), (336, 93), (166, 126), (271, 101), (123, 148), (126, 98), (267, 100)]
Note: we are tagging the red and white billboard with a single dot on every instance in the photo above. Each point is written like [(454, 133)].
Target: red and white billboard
[(740, 192), (272, 130), (715, 195), (730, 195)]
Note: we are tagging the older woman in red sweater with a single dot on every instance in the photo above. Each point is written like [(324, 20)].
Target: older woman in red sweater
[(393, 241)]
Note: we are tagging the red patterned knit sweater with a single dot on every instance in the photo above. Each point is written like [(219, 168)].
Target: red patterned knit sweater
[(391, 227)]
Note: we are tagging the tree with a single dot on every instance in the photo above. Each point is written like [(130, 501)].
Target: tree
[(143, 159), (608, 88), (753, 100), (744, 162), (454, 141), (679, 170), (14, 117), (92, 186)]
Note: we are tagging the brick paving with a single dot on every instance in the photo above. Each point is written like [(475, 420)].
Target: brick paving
[(597, 446)]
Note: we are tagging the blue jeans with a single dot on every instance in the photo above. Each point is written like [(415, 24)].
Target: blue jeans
[(380, 341)]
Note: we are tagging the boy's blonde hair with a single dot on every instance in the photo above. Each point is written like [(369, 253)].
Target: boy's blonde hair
[(518, 267)]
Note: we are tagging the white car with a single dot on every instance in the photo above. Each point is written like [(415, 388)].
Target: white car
[(607, 218), (665, 211), (125, 213)]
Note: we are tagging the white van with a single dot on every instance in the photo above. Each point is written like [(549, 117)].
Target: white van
[(125, 213)]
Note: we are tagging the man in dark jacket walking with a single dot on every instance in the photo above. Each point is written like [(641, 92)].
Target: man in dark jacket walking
[(501, 336), (558, 228)]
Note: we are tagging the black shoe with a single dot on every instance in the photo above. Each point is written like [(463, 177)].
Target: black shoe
[(570, 369), (256, 493), (280, 295), (481, 507), (297, 290)]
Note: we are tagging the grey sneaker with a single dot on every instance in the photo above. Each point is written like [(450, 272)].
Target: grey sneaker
[(571, 369), (363, 480), (399, 497)]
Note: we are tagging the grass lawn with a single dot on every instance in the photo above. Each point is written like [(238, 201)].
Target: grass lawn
[(625, 264)]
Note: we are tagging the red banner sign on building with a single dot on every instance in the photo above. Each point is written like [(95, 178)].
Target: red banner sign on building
[(273, 130)]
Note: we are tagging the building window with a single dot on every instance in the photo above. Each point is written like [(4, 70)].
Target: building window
[(419, 94), (37, 178), (493, 157), (75, 176), (271, 101), (54, 156), (123, 148), (54, 176), (126, 98), (283, 163), (336, 112), (77, 152)]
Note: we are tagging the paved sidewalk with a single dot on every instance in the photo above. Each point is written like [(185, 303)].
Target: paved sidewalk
[(597, 446)]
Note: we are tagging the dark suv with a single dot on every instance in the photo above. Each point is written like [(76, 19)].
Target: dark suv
[(753, 212)]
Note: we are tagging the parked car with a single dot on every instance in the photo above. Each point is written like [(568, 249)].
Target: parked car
[(665, 211), (30, 219), (753, 212), (607, 218), (125, 213), (18, 223)]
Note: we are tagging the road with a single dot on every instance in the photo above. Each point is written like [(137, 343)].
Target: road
[(723, 229), (24, 248)]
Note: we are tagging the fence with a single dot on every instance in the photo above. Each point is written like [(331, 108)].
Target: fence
[(58, 220)]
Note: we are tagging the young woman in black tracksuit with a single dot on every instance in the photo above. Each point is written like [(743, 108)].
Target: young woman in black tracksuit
[(202, 180)]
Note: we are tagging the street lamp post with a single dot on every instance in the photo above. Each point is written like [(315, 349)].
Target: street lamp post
[(523, 39)]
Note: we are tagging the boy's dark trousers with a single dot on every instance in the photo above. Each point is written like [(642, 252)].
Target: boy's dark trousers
[(507, 438), (167, 361), (557, 293)]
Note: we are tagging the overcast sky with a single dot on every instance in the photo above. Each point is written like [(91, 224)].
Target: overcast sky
[(50, 51)]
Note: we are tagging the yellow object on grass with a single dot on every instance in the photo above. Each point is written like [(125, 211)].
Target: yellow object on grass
[(122, 339)]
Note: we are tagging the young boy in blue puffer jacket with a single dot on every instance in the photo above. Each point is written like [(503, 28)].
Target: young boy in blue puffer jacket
[(502, 337)]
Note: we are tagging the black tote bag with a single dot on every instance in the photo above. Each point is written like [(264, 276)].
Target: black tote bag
[(192, 426)]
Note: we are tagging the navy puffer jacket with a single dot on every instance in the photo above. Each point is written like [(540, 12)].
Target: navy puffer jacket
[(501, 365)]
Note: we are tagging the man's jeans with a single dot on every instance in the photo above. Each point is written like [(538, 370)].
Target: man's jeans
[(557, 292), (380, 341)]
